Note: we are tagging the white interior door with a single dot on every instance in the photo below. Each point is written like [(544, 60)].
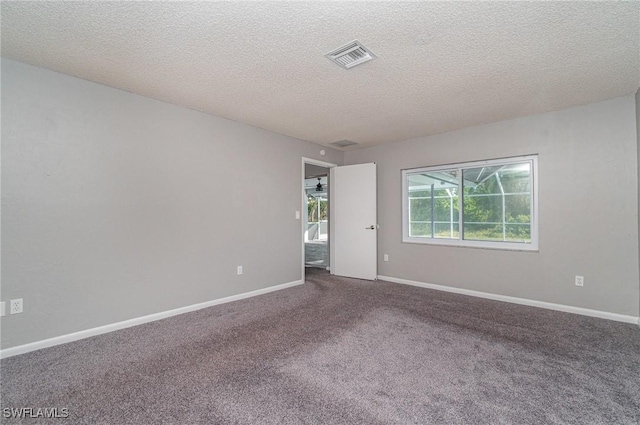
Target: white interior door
[(354, 228)]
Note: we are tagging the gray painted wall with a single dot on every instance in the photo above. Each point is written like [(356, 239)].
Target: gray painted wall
[(638, 146), (588, 191), (115, 206)]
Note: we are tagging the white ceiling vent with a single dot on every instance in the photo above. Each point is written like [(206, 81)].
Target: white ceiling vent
[(351, 54), (343, 143)]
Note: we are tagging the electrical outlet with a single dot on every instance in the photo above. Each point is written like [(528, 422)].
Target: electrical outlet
[(239, 270), (2, 309), (297, 215), (579, 280), (16, 306), (386, 257)]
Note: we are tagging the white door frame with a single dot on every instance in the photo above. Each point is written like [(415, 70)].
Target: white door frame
[(303, 211)]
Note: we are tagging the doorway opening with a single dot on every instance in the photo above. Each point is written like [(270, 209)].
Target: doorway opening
[(316, 235), (315, 215)]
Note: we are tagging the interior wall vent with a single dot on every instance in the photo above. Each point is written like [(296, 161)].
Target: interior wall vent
[(351, 54), (343, 143)]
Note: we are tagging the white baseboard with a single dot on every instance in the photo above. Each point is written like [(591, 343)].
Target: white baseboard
[(63, 339), (515, 300)]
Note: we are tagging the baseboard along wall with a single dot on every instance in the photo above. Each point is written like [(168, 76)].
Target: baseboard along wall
[(523, 301), (63, 339)]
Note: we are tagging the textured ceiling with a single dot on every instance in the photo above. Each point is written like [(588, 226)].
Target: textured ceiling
[(440, 66)]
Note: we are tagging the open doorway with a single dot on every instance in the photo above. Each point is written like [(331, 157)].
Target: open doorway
[(315, 215), (316, 232)]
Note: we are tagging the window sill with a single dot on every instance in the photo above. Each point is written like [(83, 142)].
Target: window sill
[(499, 246)]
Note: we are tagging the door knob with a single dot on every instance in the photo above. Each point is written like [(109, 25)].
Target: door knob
[(372, 227)]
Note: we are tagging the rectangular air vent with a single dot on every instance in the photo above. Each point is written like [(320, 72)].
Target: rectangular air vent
[(351, 54), (343, 143)]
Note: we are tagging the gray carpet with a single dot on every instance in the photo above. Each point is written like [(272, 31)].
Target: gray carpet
[(342, 351)]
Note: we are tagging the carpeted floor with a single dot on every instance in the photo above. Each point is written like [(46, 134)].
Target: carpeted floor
[(342, 351)]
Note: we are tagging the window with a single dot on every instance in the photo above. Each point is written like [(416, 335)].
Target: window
[(317, 214), (490, 204)]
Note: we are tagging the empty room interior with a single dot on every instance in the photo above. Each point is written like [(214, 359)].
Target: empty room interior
[(320, 212)]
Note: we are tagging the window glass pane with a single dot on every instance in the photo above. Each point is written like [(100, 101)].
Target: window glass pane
[(324, 208), (317, 209), (420, 209), (420, 230), (518, 209), (447, 230), (516, 178), (497, 203), (433, 204), (312, 209), (446, 213)]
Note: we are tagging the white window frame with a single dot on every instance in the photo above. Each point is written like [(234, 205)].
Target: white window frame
[(515, 246)]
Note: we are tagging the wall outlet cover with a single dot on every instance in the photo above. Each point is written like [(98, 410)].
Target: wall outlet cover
[(15, 306)]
